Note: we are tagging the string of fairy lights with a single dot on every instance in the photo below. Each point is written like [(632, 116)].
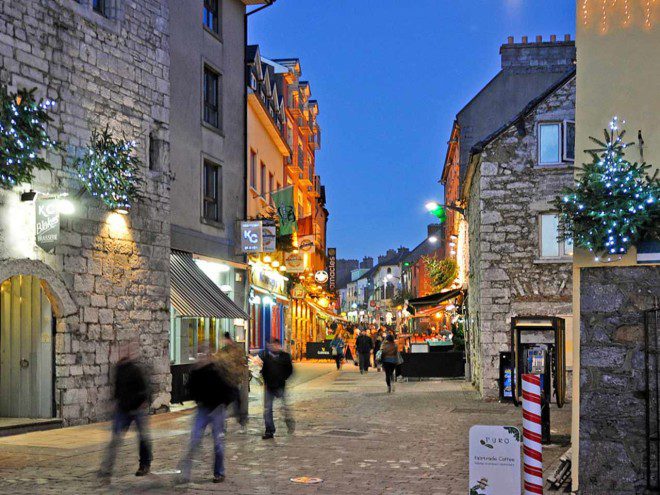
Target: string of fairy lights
[(602, 12), (614, 202)]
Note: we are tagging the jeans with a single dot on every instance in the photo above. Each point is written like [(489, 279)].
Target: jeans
[(389, 372), (269, 398), (121, 422), (364, 358), (338, 359), (204, 417), (376, 363)]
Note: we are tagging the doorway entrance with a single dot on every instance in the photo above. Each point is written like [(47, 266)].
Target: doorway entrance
[(26, 349)]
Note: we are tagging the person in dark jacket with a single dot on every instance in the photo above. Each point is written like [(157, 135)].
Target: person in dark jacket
[(364, 345), (390, 358), (337, 349), (131, 395), (213, 391), (276, 370)]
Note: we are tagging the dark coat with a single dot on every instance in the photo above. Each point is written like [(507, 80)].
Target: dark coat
[(364, 344), (277, 368), (209, 387), (131, 387)]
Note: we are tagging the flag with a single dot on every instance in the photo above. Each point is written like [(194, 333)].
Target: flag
[(286, 213)]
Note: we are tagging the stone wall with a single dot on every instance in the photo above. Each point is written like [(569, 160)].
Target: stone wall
[(612, 377), (100, 71), (507, 275)]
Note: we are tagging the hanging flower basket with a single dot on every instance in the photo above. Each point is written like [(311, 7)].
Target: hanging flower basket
[(23, 136), (109, 170)]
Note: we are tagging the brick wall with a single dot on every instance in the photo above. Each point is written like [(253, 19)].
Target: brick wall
[(101, 71)]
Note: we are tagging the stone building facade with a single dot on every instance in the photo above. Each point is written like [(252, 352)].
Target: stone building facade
[(508, 194), (613, 429), (107, 280)]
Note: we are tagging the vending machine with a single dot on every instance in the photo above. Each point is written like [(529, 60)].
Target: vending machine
[(538, 347)]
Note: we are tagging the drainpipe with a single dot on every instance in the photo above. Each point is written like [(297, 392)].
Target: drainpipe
[(246, 292)]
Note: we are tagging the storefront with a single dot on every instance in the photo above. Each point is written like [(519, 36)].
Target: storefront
[(201, 313), (269, 305)]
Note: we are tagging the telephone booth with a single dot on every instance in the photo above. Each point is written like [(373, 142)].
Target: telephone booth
[(538, 346)]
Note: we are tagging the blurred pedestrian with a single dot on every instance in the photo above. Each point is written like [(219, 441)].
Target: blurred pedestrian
[(337, 349), (233, 362), (363, 346), (276, 370), (389, 357), (212, 389), (378, 341), (132, 397)]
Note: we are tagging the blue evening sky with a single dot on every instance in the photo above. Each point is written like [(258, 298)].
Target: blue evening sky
[(390, 75)]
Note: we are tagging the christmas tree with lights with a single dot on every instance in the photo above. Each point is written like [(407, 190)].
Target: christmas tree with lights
[(614, 202), (109, 170), (23, 121)]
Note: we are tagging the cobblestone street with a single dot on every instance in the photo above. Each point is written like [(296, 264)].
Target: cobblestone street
[(350, 433)]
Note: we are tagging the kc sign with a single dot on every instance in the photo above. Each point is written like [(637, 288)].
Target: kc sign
[(47, 223), (257, 237)]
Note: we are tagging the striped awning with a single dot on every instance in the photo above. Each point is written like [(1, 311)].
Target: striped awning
[(194, 294)]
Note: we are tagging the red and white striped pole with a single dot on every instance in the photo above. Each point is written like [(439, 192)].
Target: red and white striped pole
[(533, 457)]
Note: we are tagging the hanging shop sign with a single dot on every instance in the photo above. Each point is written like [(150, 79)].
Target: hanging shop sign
[(332, 269), (298, 291), (494, 460), (251, 237), (294, 262), (268, 236), (306, 243), (321, 277), (47, 223)]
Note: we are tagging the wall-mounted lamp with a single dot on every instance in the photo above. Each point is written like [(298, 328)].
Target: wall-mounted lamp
[(28, 195)]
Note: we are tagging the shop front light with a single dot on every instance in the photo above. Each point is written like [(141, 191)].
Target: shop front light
[(226, 288), (66, 206), (268, 300), (433, 239)]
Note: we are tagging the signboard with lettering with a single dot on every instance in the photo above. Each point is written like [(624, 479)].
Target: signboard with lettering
[(294, 262), (251, 237), (494, 460), (332, 269), (306, 243), (298, 291), (269, 236), (47, 223)]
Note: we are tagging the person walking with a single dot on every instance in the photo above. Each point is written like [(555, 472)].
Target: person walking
[(276, 370), (212, 389), (132, 397), (390, 358), (363, 346), (378, 341), (234, 364), (337, 349)]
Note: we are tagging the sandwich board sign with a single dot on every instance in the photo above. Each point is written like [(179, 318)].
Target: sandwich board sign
[(494, 460)]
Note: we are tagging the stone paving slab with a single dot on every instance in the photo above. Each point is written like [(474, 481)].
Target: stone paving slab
[(357, 438)]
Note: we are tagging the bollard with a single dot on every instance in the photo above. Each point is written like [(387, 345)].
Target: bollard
[(532, 454)]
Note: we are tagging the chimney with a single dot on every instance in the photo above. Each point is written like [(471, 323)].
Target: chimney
[(542, 55), (509, 40), (367, 262), (567, 37)]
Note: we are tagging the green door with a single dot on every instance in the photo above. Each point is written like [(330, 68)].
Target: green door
[(26, 349)]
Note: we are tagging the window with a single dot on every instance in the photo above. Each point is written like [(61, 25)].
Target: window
[(271, 180), (550, 245), (98, 6), (211, 97), (263, 179), (211, 17), (556, 142), (253, 169), (211, 192), (569, 140), (549, 143)]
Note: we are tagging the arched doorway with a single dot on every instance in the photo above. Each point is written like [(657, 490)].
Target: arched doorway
[(27, 332)]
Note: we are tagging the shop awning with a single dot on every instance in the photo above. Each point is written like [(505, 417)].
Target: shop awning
[(434, 299), (194, 294)]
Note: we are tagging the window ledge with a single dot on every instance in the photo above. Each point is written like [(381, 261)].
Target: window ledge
[(212, 223), (212, 128), (555, 165), (217, 36), (549, 261)]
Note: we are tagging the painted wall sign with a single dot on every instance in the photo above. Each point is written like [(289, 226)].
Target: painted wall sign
[(494, 460), (47, 223), (332, 269)]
